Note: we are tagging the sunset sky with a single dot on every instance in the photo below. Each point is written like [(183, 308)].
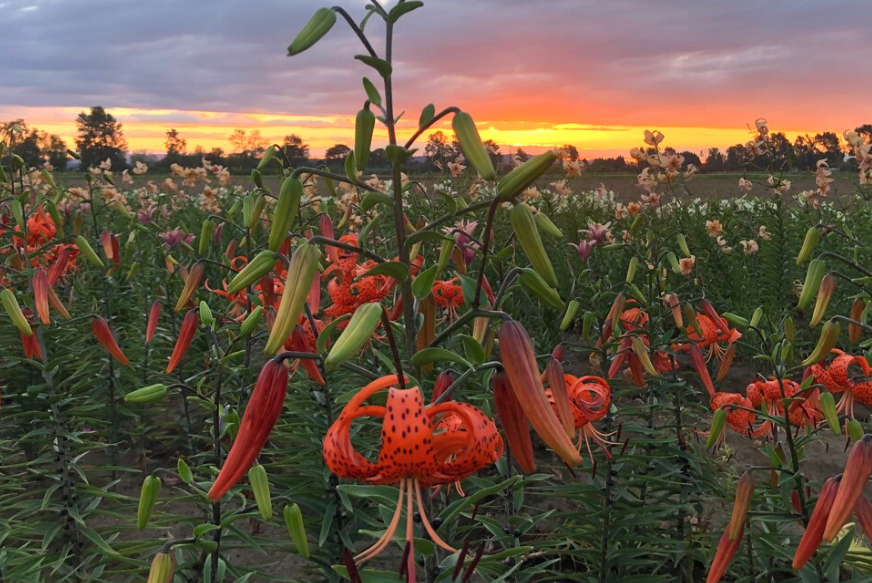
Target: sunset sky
[(536, 74)]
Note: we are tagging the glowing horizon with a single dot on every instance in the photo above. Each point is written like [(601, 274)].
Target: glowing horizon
[(145, 131)]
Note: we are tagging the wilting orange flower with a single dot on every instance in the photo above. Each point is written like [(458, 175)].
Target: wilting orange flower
[(412, 453)]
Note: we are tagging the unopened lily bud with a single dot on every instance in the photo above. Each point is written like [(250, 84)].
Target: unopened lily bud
[(251, 321), (587, 323), (569, 316), (514, 422), (789, 329), (192, 282), (206, 316), (184, 471), (631, 269), (756, 317), (13, 310), (814, 531), (260, 487), (828, 407), (148, 496), (682, 244), (825, 294), (858, 308), (813, 277), (812, 236), (727, 361), (698, 362), (146, 394), (744, 494), (690, 316), (641, 352), (296, 529), (719, 423), (163, 568), (828, 339), (854, 430), (858, 468)]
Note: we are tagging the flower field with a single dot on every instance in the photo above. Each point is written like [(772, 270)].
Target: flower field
[(512, 374)]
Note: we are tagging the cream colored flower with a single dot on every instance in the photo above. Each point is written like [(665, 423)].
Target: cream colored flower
[(750, 246), (713, 228), (687, 264)]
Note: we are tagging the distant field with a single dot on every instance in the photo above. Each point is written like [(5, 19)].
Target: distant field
[(624, 185)]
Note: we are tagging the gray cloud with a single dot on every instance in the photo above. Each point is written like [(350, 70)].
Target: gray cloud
[(570, 61)]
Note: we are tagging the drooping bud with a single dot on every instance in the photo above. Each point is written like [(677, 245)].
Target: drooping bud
[(104, 336), (698, 361), (153, 317), (744, 493), (472, 146), (360, 328), (300, 343), (556, 380), (527, 234), (812, 236), (148, 496), (13, 310), (285, 212), (163, 568), (514, 422), (187, 331), (814, 530), (519, 361), (146, 394), (825, 294), (828, 339), (192, 282), (813, 277), (40, 295), (260, 416), (251, 321), (857, 471), (858, 308), (301, 271), (729, 356), (88, 252), (854, 430), (709, 310), (260, 487), (719, 423), (296, 529), (828, 407), (641, 352), (727, 548), (443, 381)]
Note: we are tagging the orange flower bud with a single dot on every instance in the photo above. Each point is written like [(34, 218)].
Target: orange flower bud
[(260, 416), (192, 282), (857, 309), (857, 471), (556, 380), (744, 493), (729, 356), (443, 381), (104, 336), (825, 294), (300, 343), (727, 548), (514, 422), (40, 295), (183, 342), (814, 530), (153, 317), (698, 361)]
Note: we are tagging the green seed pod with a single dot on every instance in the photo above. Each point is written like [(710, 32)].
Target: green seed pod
[(146, 394), (828, 406), (569, 316), (473, 148), (260, 487), (251, 321), (205, 236), (206, 316), (88, 251), (813, 277), (364, 125), (10, 304), (719, 423), (297, 529), (524, 227), (147, 498), (514, 183), (285, 211), (319, 25), (184, 471), (537, 286), (855, 430), (263, 263), (547, 226), (812, 236), (631, 269), (682, 244)]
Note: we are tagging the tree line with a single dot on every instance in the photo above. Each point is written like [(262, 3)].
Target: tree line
[(100, 137)]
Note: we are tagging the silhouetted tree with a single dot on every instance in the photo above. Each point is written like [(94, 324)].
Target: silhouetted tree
[(337, 152), (296, 151), (715, 161), (176, 146), (571, 151), (438, 150), (101, 137)]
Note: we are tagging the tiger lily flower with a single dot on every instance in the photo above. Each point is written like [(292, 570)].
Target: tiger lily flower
[(260, 416), (836, 380), (739, 420), (104, 336), (413, 453), (448, 295), (771, 394), (589, 399)]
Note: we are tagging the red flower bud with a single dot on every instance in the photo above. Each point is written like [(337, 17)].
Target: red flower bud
[(104, 336), (183, 342)]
